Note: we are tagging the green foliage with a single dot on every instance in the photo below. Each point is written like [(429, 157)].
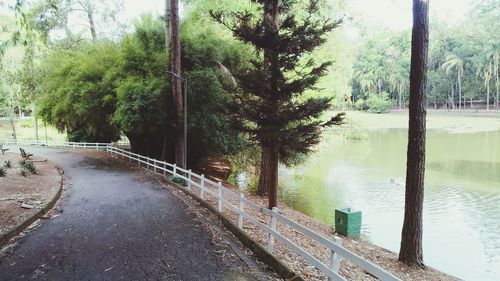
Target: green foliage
[(270, 104), (464, 61), (95, 91), (28, 166), (7, 164), (23, 172), (3, 172), (360, 104), (78, 91), (378, 103)]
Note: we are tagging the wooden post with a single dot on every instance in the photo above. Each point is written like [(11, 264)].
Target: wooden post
[(154, 165), (334, 259), (164, 168), (242, 211), (202, 189), (174, 173), (270, 239), (219, 196), (189, 180)]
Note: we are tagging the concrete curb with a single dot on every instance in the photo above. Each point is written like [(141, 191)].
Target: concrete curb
[(4, 238), (280, 268)]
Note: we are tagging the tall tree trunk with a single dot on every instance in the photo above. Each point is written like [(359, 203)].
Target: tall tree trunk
[(452, 96), (90, 16), (12, 123), (167, 67), (400, 92), (459, 83), (268, 179), (177, 83), (487, 82), (411, 252), (497, 105), (167, 33), (36, 122)]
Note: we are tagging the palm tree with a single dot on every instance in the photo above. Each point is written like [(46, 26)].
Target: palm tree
[(487, 66), (397, 81), (453, 61)]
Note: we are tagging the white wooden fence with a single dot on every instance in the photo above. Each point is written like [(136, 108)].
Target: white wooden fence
[(225, 198)]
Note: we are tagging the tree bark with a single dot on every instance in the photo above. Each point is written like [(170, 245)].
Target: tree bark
[(497, 105), (90, 15), (459, 90), (411, 252), (268, 178), (177, 83)]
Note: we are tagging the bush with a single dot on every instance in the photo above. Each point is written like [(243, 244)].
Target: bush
[(3, 172), (378, 103), (360, 105), (28, 166), (7, 164), (23, 172)]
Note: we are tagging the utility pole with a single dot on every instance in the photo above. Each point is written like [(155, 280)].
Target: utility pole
[(175, 60)]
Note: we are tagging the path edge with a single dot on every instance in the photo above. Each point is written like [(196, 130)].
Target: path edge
[(5, 238), (283, 270)]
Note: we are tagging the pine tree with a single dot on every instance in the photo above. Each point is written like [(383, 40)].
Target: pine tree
[(411, 251), (269, 102)]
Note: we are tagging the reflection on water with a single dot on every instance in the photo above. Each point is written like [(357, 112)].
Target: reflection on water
[(462, 194)]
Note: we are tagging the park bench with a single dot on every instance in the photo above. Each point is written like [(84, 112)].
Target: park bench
[(24, 154), (3, 149)]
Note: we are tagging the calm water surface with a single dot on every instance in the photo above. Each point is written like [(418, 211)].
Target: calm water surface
[(462, 194)]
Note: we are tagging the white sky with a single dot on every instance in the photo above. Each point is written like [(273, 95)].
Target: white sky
[(397, 14), (394, 14)]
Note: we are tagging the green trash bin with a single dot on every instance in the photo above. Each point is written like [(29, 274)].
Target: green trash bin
[(178, 180), (348, 222)]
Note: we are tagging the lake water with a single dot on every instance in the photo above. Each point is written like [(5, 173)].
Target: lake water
[(462, 194)]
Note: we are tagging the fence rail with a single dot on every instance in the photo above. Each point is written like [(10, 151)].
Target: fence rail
[(331, 270), (223, 198)]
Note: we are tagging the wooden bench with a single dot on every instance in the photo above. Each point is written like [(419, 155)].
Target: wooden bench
[(24, 154), (3, 149)]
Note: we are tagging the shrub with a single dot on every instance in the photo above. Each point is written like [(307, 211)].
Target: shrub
[(24, 173), (28, 166), (360, 105), (3, 172), (7, 164), (378, 103)]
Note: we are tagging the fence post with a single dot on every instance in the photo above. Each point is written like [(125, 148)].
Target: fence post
[(270, 239), (154, 165), (96, 146), (164, 168), (174, 172), (219, 196), (334, 259), (202, 189), (189, 180), (242, 211)]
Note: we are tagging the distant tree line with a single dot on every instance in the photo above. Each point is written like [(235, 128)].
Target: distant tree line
[(463, 65)]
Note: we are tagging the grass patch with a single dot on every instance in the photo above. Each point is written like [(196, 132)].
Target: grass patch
[(7, 164), (3, 172)]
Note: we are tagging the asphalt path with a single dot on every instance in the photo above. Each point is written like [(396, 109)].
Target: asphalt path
[(117, 224)]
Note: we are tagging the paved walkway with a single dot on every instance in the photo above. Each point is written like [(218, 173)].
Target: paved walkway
[(117, 225)]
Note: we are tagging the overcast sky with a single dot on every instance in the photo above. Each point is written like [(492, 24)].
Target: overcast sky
[(394, 14)]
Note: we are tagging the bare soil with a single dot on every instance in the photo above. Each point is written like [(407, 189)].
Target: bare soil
[(35, 190)]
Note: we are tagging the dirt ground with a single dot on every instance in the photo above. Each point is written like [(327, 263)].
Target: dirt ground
[(34, 190)]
